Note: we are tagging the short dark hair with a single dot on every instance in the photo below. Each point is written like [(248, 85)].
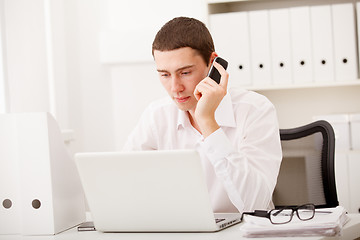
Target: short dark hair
[(185, 32)]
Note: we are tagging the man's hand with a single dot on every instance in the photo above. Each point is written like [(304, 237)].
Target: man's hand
[(209, 95)]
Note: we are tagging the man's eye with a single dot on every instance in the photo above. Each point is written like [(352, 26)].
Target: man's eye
[(186, 73), (164, 75)]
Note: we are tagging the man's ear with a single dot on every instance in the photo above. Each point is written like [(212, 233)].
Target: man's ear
[(212, 57)]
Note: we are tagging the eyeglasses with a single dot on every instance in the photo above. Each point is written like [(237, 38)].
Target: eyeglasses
[(284, 215)]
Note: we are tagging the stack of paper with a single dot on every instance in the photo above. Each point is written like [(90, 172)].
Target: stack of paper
[(326, 222)]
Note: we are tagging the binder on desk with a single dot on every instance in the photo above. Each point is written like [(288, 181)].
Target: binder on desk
[(322, 39), (10, 208), (301, 44), (280, 46), (344, 42), (231, 36), (51, 198), (260, 47)]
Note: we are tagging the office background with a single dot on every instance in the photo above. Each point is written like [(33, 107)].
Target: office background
[(89, 63)]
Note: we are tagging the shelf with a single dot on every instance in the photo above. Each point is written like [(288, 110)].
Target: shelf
[(305, 85), (214, 2), (302, 2), (350, 151), (225, 1)]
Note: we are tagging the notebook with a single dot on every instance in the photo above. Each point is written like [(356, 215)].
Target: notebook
[(149, 191)]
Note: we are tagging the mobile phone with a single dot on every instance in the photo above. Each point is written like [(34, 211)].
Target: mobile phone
[(214, 73), (86, 226)]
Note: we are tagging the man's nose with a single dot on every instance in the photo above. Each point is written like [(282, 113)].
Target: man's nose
[(176, 84)]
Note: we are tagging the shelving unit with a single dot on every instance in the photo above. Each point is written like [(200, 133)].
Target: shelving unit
[(304, 86), (298, 103), (342, 95)]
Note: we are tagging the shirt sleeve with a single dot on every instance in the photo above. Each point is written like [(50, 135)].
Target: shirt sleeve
[(249, 167)]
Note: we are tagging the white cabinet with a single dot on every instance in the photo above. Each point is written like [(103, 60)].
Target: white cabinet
[(347, 166), (354, 180)]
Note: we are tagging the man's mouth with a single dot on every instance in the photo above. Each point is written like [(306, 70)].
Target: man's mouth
[(181, 99)]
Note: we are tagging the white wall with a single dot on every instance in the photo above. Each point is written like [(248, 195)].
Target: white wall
[(88, 62), (34, 57), (128, 29), (52, 64), (3, 84), (134, 86), (89, 83), (135, 23), (26, 56)]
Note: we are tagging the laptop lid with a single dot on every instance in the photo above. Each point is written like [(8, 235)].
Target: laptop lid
[(147, 191)]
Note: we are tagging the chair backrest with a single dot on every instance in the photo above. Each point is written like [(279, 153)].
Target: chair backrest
[(307, 172)]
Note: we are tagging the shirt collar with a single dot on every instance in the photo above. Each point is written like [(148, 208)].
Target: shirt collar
[(224, 114), (183, 119)]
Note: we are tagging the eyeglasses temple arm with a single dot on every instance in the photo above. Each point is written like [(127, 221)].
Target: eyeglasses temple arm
[(257, 213), (261, 213)]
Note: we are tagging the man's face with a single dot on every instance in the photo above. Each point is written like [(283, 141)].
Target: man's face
[(180, 71)]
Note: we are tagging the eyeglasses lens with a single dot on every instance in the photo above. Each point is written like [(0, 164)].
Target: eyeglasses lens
[(306, 212), (279, 216)]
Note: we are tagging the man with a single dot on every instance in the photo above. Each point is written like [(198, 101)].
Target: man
[(235, 132)]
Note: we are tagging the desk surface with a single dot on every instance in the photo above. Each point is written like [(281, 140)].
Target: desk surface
[(350, 231)]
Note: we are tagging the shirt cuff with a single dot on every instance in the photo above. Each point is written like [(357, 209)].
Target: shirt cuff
[(217, 146)]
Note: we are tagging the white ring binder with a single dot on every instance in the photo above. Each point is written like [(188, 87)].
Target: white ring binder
[(40, 189)]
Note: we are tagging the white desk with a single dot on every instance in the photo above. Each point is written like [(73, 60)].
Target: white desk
[(350, 231)]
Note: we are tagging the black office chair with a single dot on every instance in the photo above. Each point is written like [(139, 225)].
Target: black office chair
[(307, 170)]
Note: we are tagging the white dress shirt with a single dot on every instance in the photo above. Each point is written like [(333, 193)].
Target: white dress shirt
[(241, 159)]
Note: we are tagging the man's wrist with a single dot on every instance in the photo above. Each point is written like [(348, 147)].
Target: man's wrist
[(208, 126)]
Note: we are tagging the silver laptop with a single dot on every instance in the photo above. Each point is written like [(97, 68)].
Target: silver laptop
[(149, 191)]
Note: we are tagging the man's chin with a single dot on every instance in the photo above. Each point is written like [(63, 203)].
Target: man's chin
[(183, 107)]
